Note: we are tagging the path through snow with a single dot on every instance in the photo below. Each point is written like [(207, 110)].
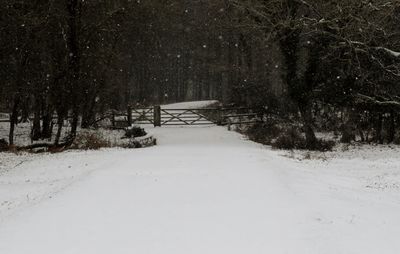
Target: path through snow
[(201, 190)]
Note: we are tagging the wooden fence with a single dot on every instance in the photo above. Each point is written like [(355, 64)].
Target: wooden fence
[(4, 118), (158, 116)]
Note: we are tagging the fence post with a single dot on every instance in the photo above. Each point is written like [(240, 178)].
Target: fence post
[(229, 123), (157, 116), (129, 116), (220, 116), (113, 119)]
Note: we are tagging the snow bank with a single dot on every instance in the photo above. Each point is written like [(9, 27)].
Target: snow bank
[(27, 179), (371, 166)]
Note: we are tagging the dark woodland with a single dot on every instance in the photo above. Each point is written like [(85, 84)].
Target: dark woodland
[(323, 65)]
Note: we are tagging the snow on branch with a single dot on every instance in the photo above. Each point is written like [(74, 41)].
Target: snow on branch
[(387, 50), (392, 52), (369, 99)]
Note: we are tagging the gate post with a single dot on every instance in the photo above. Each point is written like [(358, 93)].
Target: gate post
[(129, 112), (157, 116), (220, 116)]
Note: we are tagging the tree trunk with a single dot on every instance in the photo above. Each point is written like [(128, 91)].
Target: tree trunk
[(60, 121), (73, 8), (36, 130), (306, 115), (378, 128), (392, 127), (89, 115), (14, 118), (25, 111), (75, 121), (47, 124), (348, 128)]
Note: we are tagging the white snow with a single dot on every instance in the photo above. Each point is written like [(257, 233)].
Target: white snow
[(28, 179), (190, 105), (201, 190)]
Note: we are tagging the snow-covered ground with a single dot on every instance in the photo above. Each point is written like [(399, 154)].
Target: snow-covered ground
[(201, 190)]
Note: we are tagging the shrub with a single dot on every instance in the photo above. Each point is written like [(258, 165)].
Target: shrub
[(90, 141), (266, 132), (293, 139), (262, 133), (290, 139), (396, 139), (3, 145), (324, 145), (133, 143), (282, 134), (134, 132), (347, 135)]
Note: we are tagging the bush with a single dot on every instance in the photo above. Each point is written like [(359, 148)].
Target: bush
[(347, 135), (134, 132), (293, 139), (90, 141), (132, 144), (324, 145), (146, 142), (3, 145), (265, 133), (282, 134), (290, 139), (396, 139)]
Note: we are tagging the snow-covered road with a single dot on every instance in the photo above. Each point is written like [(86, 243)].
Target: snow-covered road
[(201, 190)]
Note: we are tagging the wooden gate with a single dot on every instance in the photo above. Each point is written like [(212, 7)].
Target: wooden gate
[(187, 116), (142, 116), (158, 116)]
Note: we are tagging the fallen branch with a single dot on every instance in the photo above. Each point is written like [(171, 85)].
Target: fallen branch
[(49, 146)]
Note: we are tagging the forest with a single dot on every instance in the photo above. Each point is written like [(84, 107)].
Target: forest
[(199, 126), (323, 65)]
